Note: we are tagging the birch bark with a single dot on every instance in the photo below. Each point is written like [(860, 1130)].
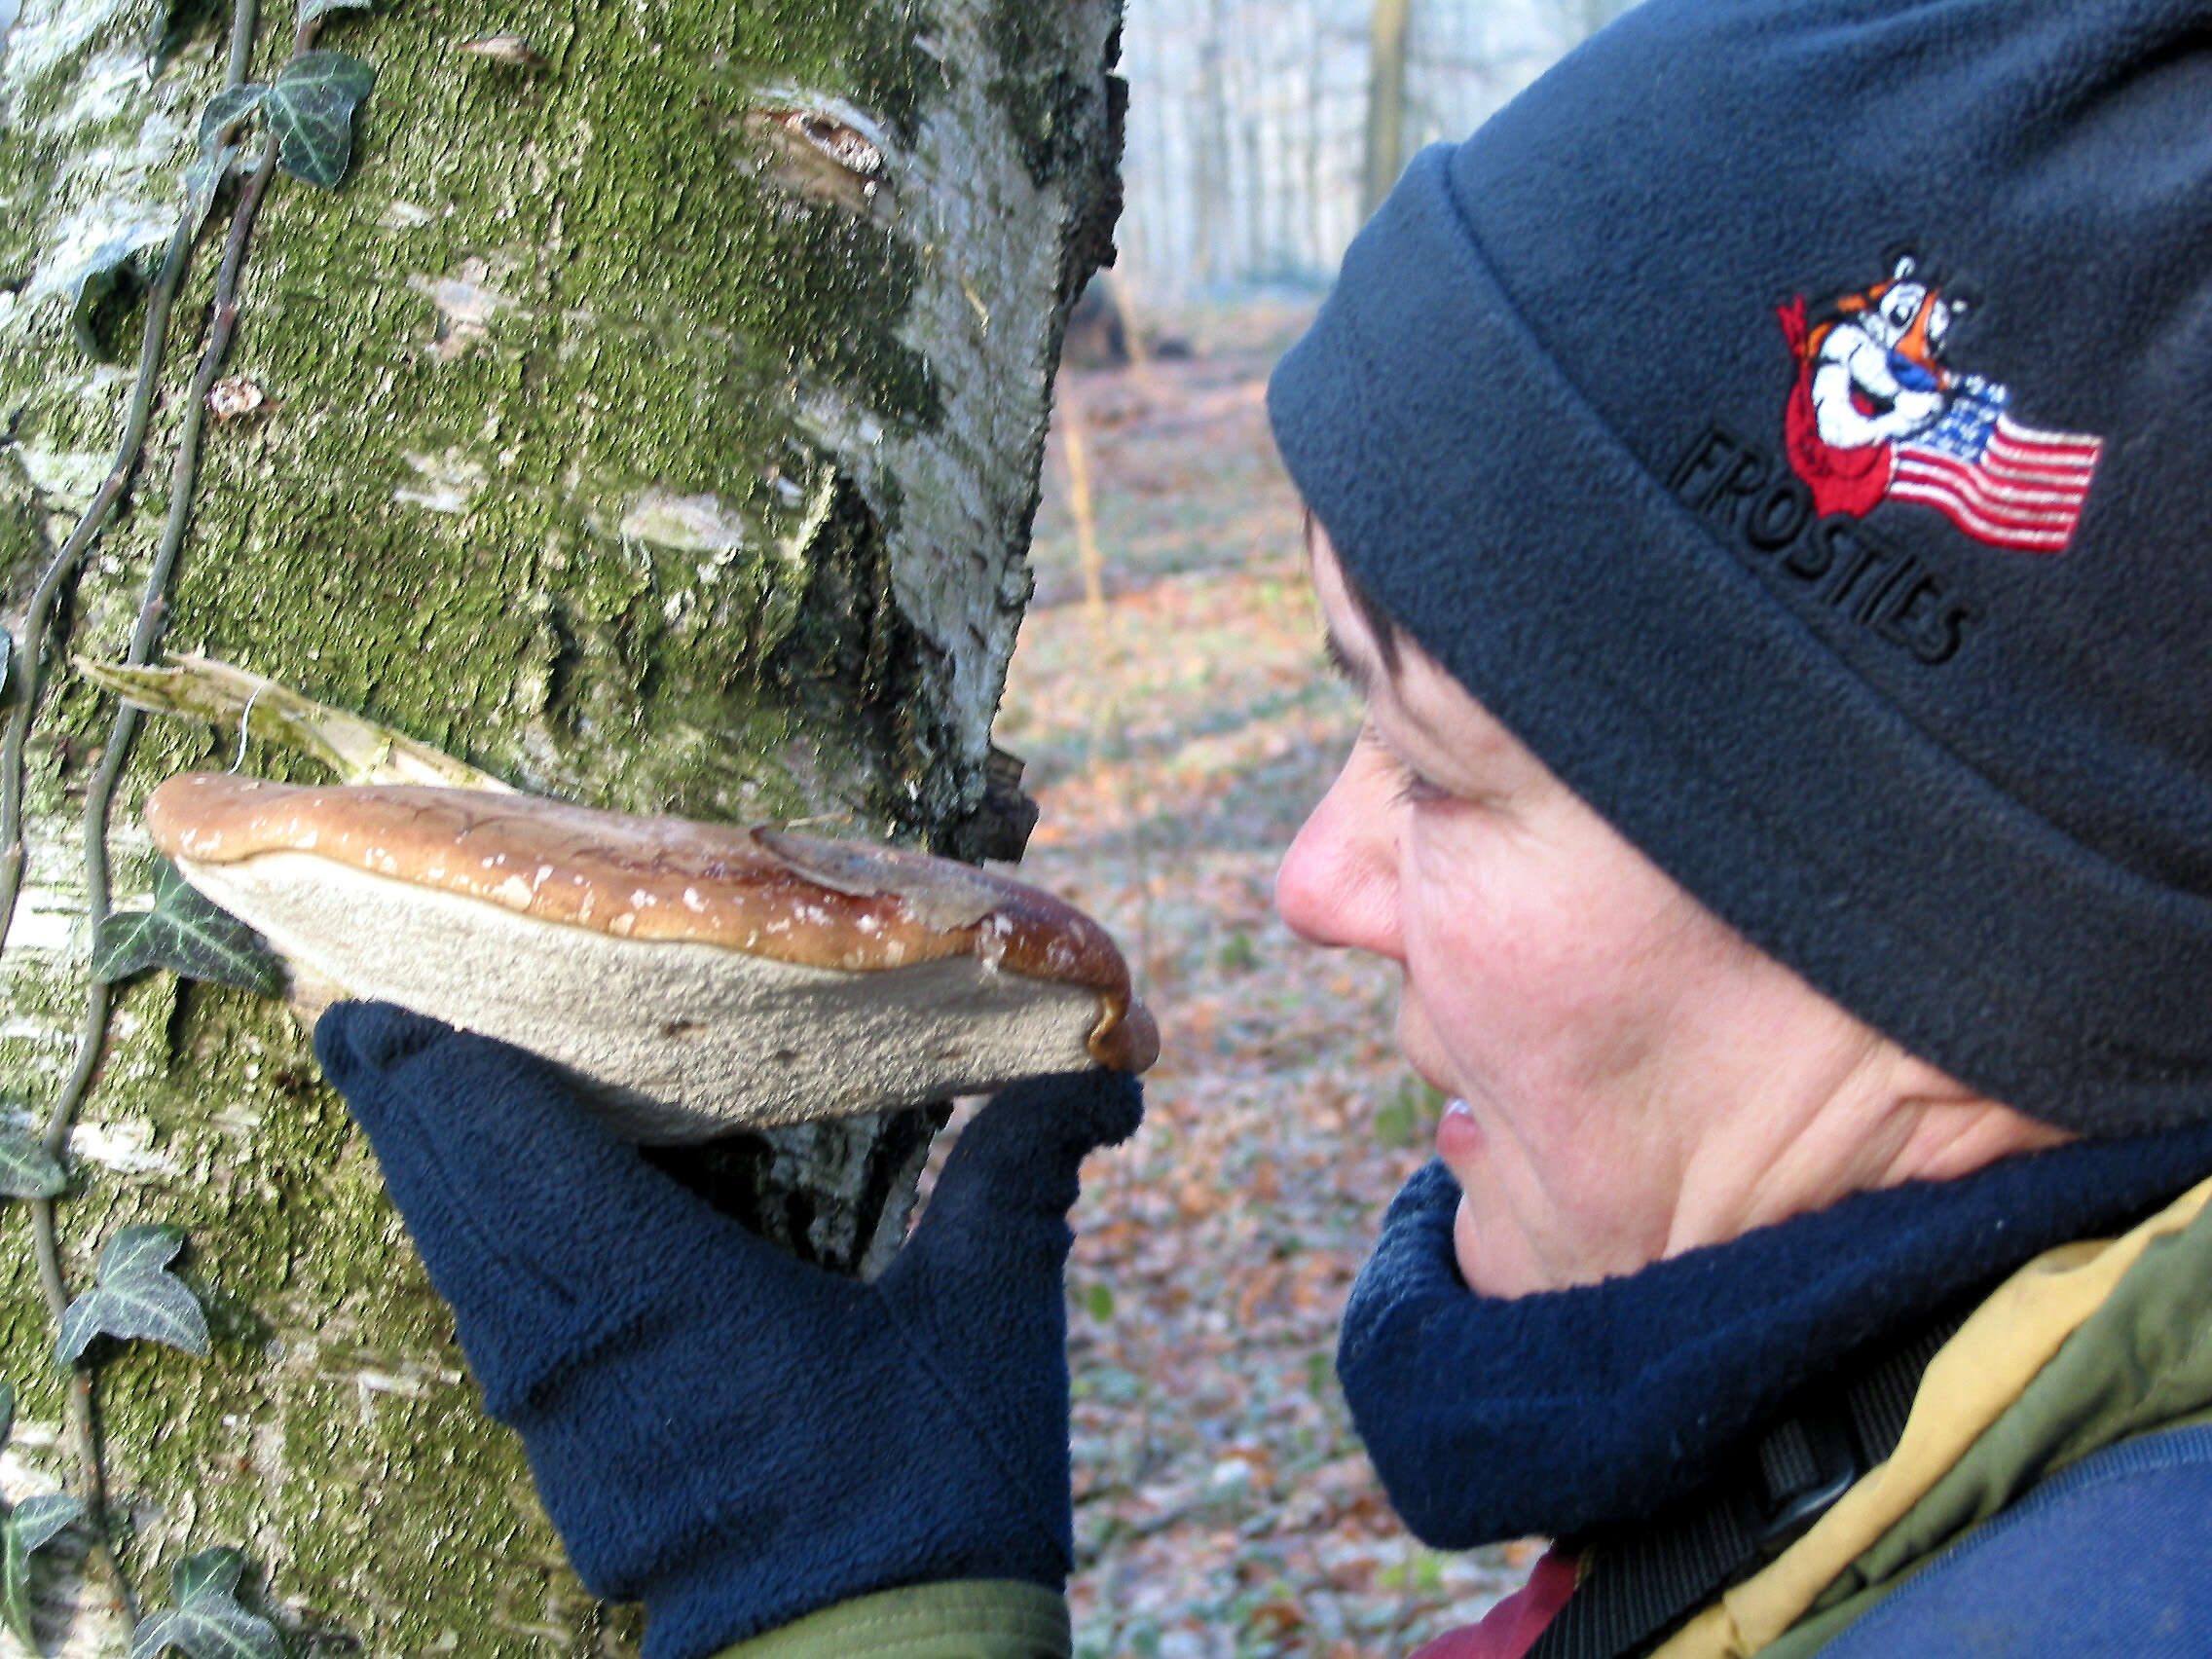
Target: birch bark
[(658, 425)]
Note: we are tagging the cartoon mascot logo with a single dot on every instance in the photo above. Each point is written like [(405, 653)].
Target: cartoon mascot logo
[(1877, 413)]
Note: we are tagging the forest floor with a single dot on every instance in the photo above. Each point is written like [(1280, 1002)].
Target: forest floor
[(1178, 720)]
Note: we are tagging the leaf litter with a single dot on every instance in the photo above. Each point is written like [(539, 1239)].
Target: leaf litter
[(1178, 721)]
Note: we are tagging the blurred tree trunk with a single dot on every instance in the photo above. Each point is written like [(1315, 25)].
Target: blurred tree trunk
[(1597, 13), (1387, 28), (652, 418), (1217, 237), (1314, 248)]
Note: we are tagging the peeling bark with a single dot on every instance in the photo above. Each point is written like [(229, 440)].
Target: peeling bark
[(653, 418)]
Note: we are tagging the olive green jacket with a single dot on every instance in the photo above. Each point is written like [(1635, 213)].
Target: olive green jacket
[(967, 1619)]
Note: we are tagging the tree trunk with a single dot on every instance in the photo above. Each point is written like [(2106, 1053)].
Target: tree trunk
[(652, 418), (1387, 26), (1215, 184)]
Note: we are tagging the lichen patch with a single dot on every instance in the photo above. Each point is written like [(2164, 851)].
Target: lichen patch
[(467, 302), (687, 523), (101, 236), (123, 1145), (49, 31), (45, 920), (66, 478), (445, 483)]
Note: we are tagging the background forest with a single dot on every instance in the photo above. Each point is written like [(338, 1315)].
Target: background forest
[(1169, 695), (1260, 131)]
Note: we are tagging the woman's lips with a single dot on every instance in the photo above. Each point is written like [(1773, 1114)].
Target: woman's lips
[(1457, 1137)]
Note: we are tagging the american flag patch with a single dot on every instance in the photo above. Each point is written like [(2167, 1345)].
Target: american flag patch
[(2001, 482)]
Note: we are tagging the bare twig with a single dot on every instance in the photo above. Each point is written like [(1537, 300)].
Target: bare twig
[(83, 1426), (152, 613), (100, 795), (31, 648), (240, 60), (81, 1420), (38, 615)]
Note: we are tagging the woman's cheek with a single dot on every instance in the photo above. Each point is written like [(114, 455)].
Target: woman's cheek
[(1484, 972)]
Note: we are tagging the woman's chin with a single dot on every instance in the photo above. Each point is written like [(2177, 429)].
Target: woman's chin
[(1487, 1261), (1506, 1260), (1474, 1265)]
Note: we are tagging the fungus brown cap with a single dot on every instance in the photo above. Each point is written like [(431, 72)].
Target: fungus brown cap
[(695, 977)]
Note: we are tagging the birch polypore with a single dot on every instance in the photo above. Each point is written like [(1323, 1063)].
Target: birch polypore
[(695, 977)]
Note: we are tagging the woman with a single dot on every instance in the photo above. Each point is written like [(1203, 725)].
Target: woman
[(1759, 486)]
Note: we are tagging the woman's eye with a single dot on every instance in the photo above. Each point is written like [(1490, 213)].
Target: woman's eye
[(1414, 790), (1409, 786)]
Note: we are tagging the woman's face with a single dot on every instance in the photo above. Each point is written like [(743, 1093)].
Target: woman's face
[(1628, 1076)]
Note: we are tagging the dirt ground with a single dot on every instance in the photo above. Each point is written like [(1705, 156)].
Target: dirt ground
[(1177, 721)]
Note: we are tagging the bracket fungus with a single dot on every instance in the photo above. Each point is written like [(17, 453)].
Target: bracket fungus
[(693, 978)]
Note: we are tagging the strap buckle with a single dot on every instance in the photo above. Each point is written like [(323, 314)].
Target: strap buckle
[(1807, 1463)]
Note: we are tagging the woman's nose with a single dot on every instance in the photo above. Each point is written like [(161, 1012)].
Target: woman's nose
[(1337, 883)]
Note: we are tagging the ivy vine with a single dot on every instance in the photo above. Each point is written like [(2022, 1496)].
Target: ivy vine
[(304, 114)]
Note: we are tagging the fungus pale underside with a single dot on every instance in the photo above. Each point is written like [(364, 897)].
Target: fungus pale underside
[(693, 978)]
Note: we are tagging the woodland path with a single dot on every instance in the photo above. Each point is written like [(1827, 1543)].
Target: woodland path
[(1176, 728)]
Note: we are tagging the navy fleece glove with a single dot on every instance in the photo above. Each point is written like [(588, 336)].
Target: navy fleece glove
[(731, 1436)]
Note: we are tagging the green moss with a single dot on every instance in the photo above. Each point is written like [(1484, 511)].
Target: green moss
[(23, 532), (648, 317), (868, 48), (435, 521), (332, 1373), (1051, 108)]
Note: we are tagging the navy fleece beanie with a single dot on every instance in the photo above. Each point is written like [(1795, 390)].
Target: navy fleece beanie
[(1794, 420)]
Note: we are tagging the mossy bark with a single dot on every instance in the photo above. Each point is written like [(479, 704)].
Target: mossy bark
[(657, 425)]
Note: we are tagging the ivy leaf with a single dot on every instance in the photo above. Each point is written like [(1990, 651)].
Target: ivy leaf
[(211, 1572), (207, 1622), (310, 109), (137, 1296), (204, 176), (226, 109), (34, 1523), (187, 935), (27, 1171), (314, 11), (31, 1525), (203, 179)]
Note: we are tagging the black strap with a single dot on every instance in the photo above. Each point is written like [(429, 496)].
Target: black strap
[(1640, 1584)]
